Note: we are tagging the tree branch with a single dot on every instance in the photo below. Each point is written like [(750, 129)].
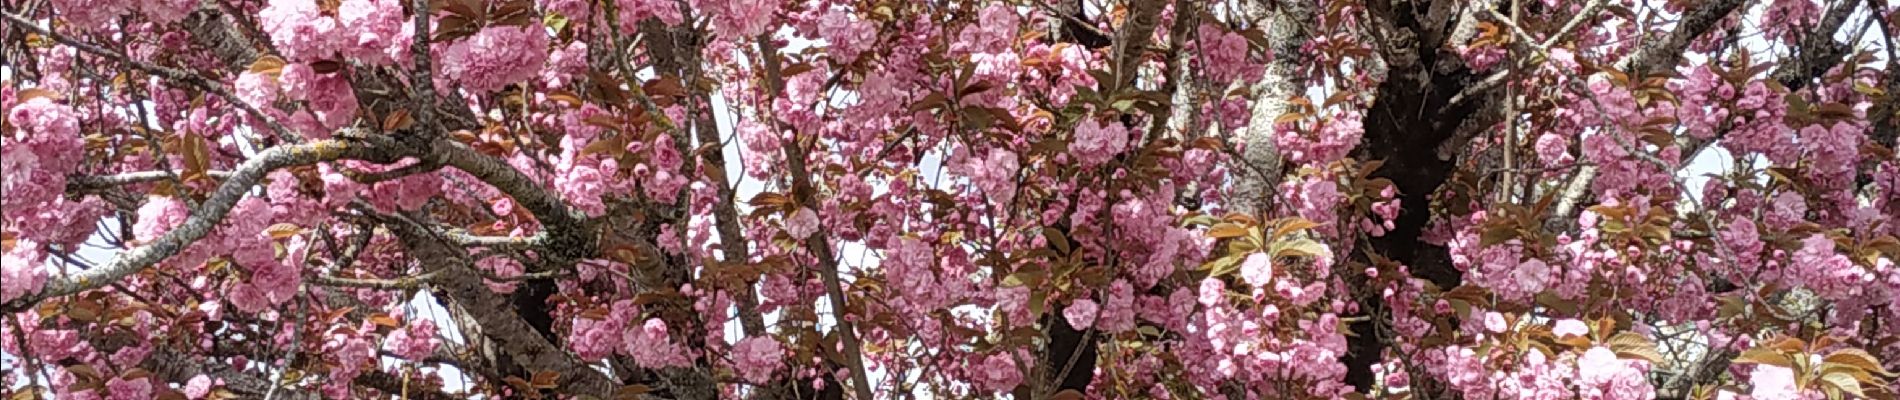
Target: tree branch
[(819, 243), (1131, 40), (406, 170), (94, 182), (1272, 98), (1882, 117), (1655, 55), (567, 231), (733, 245), (419, 76), (207, 216), (1650, 57), (527, 347)]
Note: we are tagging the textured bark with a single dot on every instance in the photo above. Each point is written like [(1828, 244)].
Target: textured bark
[(1256, 180), (569, 234), (1884, 117), (231, 45), (458, 281)]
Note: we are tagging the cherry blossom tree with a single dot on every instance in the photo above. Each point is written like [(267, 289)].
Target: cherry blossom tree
[(696, 199)]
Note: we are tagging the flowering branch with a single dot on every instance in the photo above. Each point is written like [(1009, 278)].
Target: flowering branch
[(458, 280), (1649, 57), (174, 75), (819, 243), (93, 182), (207, 216), (568, 237)]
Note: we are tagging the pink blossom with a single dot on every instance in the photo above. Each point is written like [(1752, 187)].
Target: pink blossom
[(375, 31), (502, 267), (20, 271), (158, 216), (1494, 322), (1226, 55), (634, 11), (1744, 240), (1788, 209), (496, 56), (1211, 292), (36, 157), (997, 373), (129, 389), (583, 186), (651, 347), (565, 65), (994, 173), (1570, 327), (1601, 375), (1775, 382), (847, 35), (994, 35), (595, 339), (1829, 274), (737, 19), (756, 358), (414, 342), (1118, 310), (1257, 269), (198, 387), (247, 298), (1784, 18), (572, 9), (1481, 58), (258, 90), (1081, 314), (299, 29), (329, 95), (1532, 276), (1095, 143), (802, 223), (1329, 141), (1553, 149)]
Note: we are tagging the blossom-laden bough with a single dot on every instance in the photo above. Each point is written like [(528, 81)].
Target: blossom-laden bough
[(1595, 199)]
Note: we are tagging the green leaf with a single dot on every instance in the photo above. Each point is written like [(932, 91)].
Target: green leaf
[(1857, 358), (1024, 277), (931, 101), (1497, 234), (1224, 265), (1056, 239), (1226, 230), (1037, 303), (1199, 220), (1764, 356), (1845, 383), (1301, 247), (1291, 225), (1634, 346), (1547, 299)]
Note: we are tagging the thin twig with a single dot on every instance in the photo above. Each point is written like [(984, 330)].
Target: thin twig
[(819, 243)]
